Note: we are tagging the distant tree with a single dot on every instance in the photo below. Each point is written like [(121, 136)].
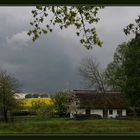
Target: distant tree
[(28, 96), (91, 72), (32, 96), (35, 95), (8, 88), (82, 18), (44, 95)]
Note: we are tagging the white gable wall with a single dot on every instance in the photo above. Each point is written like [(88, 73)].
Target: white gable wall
[(92, 111), (97, 111), (114, 114), (20, 95), (81, 111), (123, 112), (100, 112)]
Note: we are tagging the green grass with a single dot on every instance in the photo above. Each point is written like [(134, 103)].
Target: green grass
[(66, 126)]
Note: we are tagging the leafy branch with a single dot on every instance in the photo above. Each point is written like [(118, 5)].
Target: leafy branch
[(81, 17), (134, 28)]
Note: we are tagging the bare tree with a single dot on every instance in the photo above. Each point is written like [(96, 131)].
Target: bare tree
[(90, 71)]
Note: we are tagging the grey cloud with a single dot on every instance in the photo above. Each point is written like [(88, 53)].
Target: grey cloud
[(51, 63)]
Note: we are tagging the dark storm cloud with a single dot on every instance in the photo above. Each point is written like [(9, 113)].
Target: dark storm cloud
[(41, 66), (51, 63)]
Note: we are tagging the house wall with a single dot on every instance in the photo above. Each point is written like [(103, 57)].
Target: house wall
[(123, 112), (114, 114), (97, 111), (71, 115), (19, 95), (92, 111), (81, 111)]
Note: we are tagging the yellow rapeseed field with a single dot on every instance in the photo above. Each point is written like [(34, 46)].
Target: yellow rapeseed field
[(27, 102)]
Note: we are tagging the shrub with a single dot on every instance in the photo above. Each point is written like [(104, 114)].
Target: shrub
[(65, 102), (46, 111), (23, 113), (42, 109), (85, 116), (80, 116), (94, 116)]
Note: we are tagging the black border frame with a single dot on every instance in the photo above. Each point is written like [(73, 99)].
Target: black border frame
[(69, 2)]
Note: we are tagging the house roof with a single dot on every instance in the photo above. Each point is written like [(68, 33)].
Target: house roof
[(92, 99)]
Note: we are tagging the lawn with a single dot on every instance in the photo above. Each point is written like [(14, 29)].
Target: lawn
[(67, 126)]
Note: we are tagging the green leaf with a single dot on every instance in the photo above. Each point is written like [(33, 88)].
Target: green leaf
[(77, 33)]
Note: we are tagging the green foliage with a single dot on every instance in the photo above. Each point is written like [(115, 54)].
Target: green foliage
[(65, 102), (46, 111), (44, 95), (133, 28), (42, 109), (132, 71), (115, 76), (8, 88), (81, 17), (23, 113), (36, 95), (60, 101), (28, 96), (124, 72), (85, 116), (32, 96)]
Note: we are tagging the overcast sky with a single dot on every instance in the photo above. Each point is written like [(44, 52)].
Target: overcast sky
[(51, 63)]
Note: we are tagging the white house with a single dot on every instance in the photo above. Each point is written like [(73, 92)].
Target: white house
[(108, 105), (20, 95)]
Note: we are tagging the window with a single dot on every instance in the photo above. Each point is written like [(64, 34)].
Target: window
[(88, 111), (110, 111)]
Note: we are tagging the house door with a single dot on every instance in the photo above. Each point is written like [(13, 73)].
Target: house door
[(119, 112), (87, 111), (105, 113)]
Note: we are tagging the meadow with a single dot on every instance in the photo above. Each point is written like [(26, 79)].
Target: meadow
[(35, 125)]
